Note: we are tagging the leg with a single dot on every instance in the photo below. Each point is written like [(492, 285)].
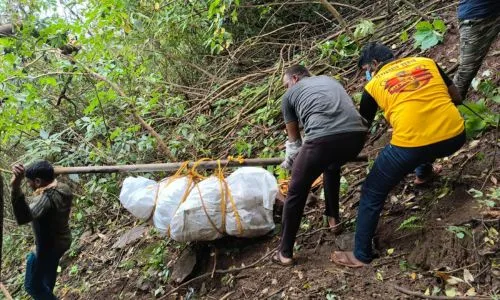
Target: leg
[(476, 37), (331, 183), (392, 164), (34, 279), (306, 169), (51, 271), (444, 148)]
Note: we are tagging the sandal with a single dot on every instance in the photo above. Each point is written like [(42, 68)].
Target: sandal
[(276, 258), (344, 259), (436, 170)]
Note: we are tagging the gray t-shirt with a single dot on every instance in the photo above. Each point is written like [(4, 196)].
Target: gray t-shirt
[(322, 106)]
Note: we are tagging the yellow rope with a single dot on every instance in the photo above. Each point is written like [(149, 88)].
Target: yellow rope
[(193, 179), (169, 180)]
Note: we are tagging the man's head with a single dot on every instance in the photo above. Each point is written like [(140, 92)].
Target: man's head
[(39, 174), (372, 55), (294, 74)]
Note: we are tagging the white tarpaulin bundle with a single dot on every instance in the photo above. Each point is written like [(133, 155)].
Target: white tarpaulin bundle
[(240, 205)]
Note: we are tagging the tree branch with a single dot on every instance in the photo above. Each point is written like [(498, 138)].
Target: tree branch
[(339, 18), (163, 147)]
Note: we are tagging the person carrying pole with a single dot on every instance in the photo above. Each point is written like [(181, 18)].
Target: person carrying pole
[(418, 101), (334, 133), (49, 213)]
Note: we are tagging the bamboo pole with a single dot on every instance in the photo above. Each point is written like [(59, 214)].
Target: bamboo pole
[(212, 164)]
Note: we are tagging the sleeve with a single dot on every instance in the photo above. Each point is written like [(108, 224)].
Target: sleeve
[(287, 110), (445, 77), (21, 209), (25, 213), (368, 107)]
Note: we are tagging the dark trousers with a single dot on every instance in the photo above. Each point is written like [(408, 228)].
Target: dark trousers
[(322, 155), (41, 273), (391, 166)]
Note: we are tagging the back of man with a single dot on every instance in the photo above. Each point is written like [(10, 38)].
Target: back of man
[(322, 106), (52, 230), (49, 212), (416, 102)]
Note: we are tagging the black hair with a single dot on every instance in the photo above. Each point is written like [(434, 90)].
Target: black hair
[(40, 169), (377, 51), (297, 70)]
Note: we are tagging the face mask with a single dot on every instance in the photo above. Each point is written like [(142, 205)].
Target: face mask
[(368, 75)]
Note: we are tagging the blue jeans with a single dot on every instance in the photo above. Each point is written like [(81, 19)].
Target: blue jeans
[(41, 273), (391, 166)]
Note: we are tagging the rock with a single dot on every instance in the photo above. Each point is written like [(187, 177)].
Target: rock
[(345, 241), (184, 265), (129, 237)]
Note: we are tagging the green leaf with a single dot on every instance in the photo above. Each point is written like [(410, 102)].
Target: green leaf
[(439, 25), (404, 36), (496, 99), (364, 28), (460, 235), (424, 26)]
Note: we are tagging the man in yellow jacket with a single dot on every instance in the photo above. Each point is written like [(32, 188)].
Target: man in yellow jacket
[(419, 102)]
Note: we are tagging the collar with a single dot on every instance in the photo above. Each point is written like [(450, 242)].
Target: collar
[(40, 191)]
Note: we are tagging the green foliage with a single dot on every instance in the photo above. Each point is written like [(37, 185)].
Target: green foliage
[(412, 222), (491, 199), (428, 34), (459, 231), (404, 36), (475, 124), (340, 48), (364, 29)]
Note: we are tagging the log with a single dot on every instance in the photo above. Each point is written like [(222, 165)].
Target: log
[(210, 165)]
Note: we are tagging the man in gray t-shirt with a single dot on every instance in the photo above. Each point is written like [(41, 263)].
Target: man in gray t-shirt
[(334, 133), (322, 107)]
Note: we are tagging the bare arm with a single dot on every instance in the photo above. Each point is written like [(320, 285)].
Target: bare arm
[(292, 129)]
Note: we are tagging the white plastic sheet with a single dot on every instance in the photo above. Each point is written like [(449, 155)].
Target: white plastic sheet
[(200, 217)]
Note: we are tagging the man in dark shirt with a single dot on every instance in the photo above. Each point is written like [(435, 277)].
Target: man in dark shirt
[(48, 211), (479, 24), (334, 133)]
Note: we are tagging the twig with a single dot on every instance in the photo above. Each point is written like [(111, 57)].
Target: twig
[(419, 295), (5, 171), (339, 18), (215, 263), (415, 9), (219, 272), (226, 296)]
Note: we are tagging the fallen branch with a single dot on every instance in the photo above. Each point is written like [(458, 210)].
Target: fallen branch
[(339, 18), (419, 295)]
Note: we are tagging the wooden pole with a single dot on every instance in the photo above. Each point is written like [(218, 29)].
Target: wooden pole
[(211, 164)]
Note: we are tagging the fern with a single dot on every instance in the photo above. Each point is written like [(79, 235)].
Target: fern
[(412, 222)]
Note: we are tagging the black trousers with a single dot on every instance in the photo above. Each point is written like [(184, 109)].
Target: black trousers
[(322, 155)]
